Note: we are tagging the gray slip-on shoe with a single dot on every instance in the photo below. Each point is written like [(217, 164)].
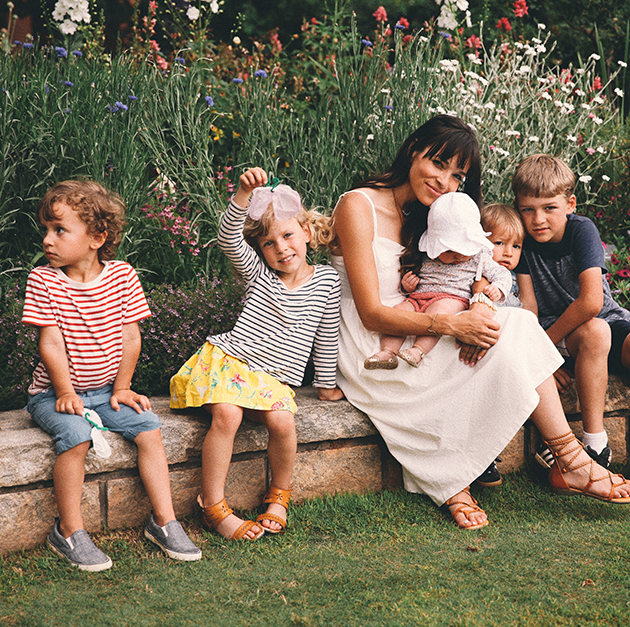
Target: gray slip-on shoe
[(172, 539), (78, 549)]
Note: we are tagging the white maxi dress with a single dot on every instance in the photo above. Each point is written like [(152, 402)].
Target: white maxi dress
[(444, 421)]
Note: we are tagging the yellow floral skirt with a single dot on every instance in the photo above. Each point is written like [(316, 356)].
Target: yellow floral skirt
[(212, 376)]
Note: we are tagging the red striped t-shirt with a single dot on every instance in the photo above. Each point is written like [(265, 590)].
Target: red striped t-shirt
[(91, 317)]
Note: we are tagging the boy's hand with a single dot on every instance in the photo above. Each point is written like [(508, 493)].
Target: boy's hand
[(329, 394), (409, 282), (139, 402), (69, 403), (493, 292), (563, 379)]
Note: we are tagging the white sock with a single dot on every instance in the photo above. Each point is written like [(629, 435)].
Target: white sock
[(597, 441)]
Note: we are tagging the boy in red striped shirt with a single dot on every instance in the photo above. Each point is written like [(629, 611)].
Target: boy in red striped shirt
[(87, 307)]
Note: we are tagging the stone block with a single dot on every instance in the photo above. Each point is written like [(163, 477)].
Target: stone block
[(617, 397), (335, 470), (27, 517), (513, 456), (246, 483)]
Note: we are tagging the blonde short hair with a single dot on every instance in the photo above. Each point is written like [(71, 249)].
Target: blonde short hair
[(101, 209), (503, 216), (319, 225), (543, 176)]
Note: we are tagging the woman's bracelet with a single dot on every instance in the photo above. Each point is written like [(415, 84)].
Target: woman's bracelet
[(433, 331), (480, 297)]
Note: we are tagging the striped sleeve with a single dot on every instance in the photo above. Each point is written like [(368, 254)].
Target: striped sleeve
[(326, 342)]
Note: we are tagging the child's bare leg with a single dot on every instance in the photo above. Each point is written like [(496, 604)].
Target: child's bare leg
[(153, 468), (68, 477), (425, 343), (281, 452), (215, 463), (589, 344)]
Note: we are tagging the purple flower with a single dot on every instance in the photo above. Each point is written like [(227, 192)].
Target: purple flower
[(77, 53), (209, 100), (367, 43), (115, 109), (389, 108), (120, 105), (399, 27), (180, 60), (132, 98), (17, 43), (62, 53), (68, 84), (66, 110), (237, 81), (27, 45), (260, 74)]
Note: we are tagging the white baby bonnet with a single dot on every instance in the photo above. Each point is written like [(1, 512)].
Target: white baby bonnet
[(454, 224)]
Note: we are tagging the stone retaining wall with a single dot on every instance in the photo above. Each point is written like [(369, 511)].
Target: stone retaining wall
[(339, 450)]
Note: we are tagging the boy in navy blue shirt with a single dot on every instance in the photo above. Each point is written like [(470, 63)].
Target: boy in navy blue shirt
[(561, 278)]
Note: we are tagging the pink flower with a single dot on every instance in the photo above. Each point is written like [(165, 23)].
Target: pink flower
[(591, 151), (599, 214), (624, 274), (520, 8), (404, 22), (473, 42), (504, 23), (597, 83), (380, 14), (237, 379)]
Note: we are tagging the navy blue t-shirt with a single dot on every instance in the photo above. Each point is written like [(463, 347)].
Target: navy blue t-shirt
[(555, 270)]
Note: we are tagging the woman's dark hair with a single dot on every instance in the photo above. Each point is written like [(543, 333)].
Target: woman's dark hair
[(445, 137)]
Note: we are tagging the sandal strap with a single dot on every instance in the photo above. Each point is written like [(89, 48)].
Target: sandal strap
[(213, 515), (272, 518), (564, 446), (278, 496), (244, 528)]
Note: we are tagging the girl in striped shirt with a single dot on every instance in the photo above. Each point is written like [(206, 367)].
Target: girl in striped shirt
[(291, 311)]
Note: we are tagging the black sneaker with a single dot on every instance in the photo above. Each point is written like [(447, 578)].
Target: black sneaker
[(603, 459), (544, 456), (491, 477)]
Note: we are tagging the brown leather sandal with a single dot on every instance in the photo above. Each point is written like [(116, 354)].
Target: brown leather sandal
[(213, 515), (466, 509), (564, 446), (279, 497)]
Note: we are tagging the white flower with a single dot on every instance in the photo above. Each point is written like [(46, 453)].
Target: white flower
[(68, 27), (545, 95), (619, 92), (512, 133), (597, 120), (622, 63), (595, 57), (493, 172), (605, 178), (585, 105), (540, 49), (533, 138), (192, 14), (370, 137), (237, 41), (598, 100), (600, 150), (447, 18), (541, 27), (579, 92), (536, 40), (441, 110), (468, 20), (571, 138), (423, 39), (580, 71), (489, 105), (524, 69), (585, 178), (462, 5)]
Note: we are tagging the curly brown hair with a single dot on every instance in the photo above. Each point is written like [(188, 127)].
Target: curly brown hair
[(101, 209)]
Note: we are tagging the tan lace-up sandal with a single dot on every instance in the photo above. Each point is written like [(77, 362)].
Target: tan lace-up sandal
[(466, 509), (568, 446), (279, 497), (213, 515)]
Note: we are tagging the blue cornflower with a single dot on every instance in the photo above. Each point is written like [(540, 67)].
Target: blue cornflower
[(68, 84), (27, 45), (237, 81), (260, 74), (47, 89), (209, 100), (122, 106), (67, 110), (399, 27), (389, 108), (445, 35), (132, 98), (367, 43), (61, 52), (115, 109), (17, 43), (180, 60), (77, 53)]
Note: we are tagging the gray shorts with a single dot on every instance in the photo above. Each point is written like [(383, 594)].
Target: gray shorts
[(70, 430)]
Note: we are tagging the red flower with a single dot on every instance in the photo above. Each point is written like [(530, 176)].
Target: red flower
[(520, 8), (624, 274), (597, 83), (504, 23), (380, 14), (614, 259), (473, 42), (403, 21), (599, 214)]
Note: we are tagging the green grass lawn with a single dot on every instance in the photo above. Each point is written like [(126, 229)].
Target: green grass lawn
[(379, 559)]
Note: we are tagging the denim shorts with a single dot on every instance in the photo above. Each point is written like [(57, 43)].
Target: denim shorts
[(70, 430)]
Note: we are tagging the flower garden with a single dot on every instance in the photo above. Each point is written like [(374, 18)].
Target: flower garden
[(171, 127)]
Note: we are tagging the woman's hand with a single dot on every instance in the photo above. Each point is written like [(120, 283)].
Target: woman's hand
[(476, 331)]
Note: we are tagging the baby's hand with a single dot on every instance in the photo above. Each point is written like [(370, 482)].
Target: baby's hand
[(409, 282), (332, 394), (493, 292)]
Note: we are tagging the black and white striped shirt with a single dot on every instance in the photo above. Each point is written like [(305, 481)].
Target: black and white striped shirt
[(279, 328)]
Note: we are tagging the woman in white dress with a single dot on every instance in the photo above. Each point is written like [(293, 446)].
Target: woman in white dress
[(448, 419)]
